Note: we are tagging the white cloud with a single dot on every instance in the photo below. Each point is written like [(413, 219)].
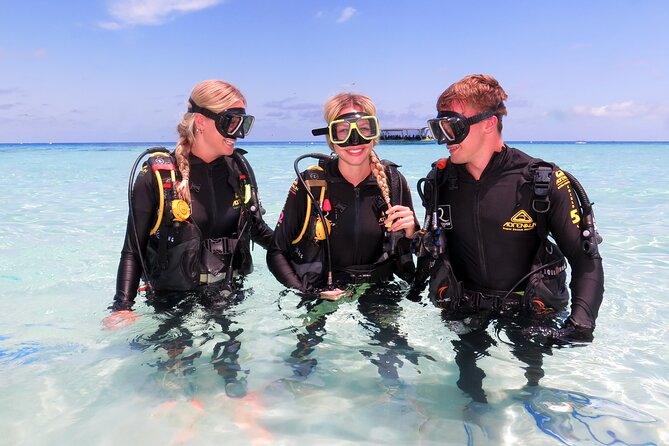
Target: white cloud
[(151, 12), (346, 14), (619, 110)]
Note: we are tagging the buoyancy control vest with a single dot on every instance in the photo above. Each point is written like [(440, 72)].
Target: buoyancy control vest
[(546, 281), (177, 257), (308, 254)]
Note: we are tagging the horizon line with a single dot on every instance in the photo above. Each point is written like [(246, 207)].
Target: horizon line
[(530, 141)]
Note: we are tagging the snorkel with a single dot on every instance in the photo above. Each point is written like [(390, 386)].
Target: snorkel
[(318, 207)]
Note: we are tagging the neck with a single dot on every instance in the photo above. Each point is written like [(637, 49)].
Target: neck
[(205, 155), (355, 174), (477, 166)]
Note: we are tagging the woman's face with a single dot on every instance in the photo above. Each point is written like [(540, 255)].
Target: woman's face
[(353, 156), (209, 143)]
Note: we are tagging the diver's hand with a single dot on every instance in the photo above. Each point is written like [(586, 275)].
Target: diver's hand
[(334, 294), (399, 218), (570, 333), (119, 319)]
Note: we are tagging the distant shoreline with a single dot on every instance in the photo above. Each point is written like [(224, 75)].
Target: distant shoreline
[(172, 143)]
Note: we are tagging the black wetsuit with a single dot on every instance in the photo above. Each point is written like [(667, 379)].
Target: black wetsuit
[(357, 236), (215, 210), (492, 243)]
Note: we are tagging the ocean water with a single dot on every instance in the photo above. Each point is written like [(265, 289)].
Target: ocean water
[(263, 369)]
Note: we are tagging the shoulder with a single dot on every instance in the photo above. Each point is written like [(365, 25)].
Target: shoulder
[(388, 163), (239, 158), (391, 167)]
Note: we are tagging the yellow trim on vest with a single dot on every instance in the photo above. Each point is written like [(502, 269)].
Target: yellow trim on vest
[(312, 183), (161, 203)]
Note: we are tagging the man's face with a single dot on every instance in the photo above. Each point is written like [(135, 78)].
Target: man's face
[(472, 147)]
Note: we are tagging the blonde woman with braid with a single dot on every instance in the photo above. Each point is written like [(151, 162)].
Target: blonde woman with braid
[(194, 211), (370, 222)]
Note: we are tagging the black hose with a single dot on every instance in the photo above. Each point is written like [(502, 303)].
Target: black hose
[(323, 157), (131, 212), (591, 237)]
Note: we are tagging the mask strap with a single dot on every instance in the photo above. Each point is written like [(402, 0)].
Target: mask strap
[(480, 117), (194, 108)]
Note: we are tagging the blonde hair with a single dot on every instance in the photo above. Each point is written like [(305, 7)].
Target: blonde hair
[(333, 108), (214, 95), (379, 173), (481, 91)]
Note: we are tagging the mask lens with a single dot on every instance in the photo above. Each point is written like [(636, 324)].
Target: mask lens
[(448, 129), (247, 123), (367, 127), (233, 123), (435, 128), (340, 131)]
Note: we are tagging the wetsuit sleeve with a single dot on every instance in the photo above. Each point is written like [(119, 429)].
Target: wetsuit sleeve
[(287, 229), (407, 200), (261, 233), (144, 204), (587, 273), (423, 261), (404, 266)]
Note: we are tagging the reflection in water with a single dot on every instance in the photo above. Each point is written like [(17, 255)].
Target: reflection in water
[(576, 418), (379, 306), (381, 311), (175, 311), (474, 341)]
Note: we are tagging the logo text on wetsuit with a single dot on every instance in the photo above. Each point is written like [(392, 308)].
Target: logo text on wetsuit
[(236, 202), (521, 221), (444, 216)]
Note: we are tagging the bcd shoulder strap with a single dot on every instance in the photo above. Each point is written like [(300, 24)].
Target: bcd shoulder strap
[(394, 181), (540, 172), (315, 179), (243, 182)]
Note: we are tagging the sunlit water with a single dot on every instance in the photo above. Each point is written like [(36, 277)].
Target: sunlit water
[(266, 370)]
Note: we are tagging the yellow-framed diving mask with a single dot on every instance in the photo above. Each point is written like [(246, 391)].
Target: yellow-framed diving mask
[(351, 129)]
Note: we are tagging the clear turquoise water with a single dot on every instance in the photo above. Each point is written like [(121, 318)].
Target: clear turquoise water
[(66, 380)]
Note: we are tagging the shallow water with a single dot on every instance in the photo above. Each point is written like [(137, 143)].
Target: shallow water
[(264, 369)]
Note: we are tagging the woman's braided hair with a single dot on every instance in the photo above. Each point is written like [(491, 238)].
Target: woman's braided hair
[(214, 95)]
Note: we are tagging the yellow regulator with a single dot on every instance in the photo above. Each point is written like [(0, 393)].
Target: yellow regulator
[(180, 210), (320, 229)]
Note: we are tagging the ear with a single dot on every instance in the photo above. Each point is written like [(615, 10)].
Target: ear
[(491, 124), (199, 120)]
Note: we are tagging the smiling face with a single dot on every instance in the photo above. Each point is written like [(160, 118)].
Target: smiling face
[(481, 142), (353, 156), (469, 149), (209, 143)]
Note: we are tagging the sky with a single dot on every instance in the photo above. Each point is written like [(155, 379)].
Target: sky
[(122, 70)]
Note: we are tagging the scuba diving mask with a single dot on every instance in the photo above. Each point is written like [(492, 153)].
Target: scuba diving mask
[(351, 129), (452, 128), (231, 123)]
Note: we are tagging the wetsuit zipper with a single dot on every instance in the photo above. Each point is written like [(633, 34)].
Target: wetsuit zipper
[(214, 211), (477, 227), (357, 226)]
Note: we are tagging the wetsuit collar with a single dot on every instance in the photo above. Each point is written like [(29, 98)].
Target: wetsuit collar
[(332, 169), (497, 160)]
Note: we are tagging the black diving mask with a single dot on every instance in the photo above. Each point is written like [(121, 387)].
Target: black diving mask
[(231, 123), (452, 128), (351, 129)]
